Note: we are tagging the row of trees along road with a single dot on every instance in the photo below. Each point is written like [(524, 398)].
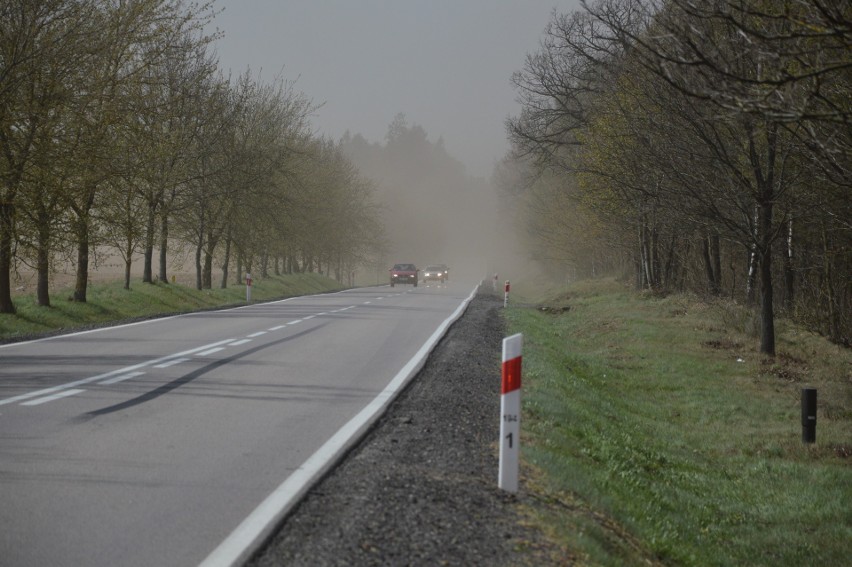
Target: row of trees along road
[(118, 129), (706, 145)]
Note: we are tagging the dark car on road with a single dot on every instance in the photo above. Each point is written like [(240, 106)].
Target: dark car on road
[(436, 272), (403, 273)]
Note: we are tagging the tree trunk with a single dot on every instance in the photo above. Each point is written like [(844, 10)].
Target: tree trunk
[(202, 230), (7, 214), (655, 256), (765, 202), (226, 261), (207, 279), (752, 276), (789, 273), (716, 257), (713, 263), (198, 280), (671, 264), (147, 268), (767, 313), (82, 279), (164, 246), (127, 264), (645, 251), (43, 264), (828, 278), (708, 265)]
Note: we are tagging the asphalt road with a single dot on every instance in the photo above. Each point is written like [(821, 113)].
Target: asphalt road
[(175, 441)]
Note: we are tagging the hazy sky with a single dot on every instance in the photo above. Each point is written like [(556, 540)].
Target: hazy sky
[(445, 64)]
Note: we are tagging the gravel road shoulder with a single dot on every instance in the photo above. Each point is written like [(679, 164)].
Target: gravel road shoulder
[(421, 487)]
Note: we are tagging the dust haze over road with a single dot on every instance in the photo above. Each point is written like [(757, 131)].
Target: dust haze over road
[(417, 93)]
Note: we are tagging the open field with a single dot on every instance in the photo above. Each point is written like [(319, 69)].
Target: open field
[(655, 432)]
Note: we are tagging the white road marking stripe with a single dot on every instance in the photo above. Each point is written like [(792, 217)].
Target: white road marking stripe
[(321, 314), (308, 317), (57, 396), (367, 303), (294, 322), (209, 351), (171, 362), (253, 335), (277, 328), (116, 372), (122, 378), (240, 342)]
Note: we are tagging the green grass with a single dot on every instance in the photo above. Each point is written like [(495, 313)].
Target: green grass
[(109, 302), (655, 432)]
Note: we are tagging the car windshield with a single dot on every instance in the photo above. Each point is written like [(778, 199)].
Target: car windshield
[(404, 267), (434, 269)]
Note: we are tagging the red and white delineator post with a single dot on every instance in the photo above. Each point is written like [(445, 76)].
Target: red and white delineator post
[(248, 287), (506, 294), (510, 413)]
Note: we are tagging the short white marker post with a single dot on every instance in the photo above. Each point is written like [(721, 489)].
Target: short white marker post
[(510, 412), (506, 294), (248, 287)]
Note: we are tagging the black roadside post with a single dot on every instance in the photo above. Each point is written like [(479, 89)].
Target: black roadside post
[(809, 410)]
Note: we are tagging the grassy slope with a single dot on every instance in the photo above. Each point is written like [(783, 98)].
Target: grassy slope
[(655, 432), (107, 302)]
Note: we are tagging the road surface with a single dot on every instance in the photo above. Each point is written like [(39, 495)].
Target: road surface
[(173, 441)]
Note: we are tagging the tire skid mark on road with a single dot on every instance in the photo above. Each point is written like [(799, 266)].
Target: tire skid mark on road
[(120, 375), (195, 374), (110, 374)]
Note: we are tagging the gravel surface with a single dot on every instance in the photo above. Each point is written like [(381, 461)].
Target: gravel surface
[(421, 488)]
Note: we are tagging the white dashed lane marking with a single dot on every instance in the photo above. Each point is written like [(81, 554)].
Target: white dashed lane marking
[(122, 378), (210, 351), (168, 363)]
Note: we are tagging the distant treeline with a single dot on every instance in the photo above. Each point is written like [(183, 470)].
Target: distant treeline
[(698, 146), (117, 128)]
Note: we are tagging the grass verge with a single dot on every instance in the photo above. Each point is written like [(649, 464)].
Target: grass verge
[(109, 302), (654, 432)]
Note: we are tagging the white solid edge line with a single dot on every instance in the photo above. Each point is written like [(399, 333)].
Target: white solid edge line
[(254, 530)]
